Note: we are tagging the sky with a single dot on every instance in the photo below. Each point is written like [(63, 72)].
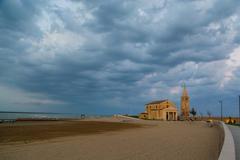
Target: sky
[(114, 56)]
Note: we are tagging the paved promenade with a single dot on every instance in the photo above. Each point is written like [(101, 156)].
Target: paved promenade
[(236, 136)]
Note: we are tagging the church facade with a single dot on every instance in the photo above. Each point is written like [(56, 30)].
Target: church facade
[(160, 110)]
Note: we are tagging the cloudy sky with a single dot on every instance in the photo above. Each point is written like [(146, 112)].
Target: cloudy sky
[(113, 56)]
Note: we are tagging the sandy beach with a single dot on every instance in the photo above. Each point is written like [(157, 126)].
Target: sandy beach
[(109, 139)]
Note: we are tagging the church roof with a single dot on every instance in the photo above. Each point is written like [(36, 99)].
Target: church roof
[(157, 102)]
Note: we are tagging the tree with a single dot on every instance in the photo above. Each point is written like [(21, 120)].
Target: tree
[(193, 112)]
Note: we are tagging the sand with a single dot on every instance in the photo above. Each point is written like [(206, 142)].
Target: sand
[(133, 140), (26, 132)]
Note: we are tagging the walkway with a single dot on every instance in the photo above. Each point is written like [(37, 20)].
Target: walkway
[(236, 136)]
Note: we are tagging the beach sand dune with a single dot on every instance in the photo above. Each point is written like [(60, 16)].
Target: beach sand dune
[(153, 140)]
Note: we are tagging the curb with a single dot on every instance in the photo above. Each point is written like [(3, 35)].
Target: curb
[(228, 148)]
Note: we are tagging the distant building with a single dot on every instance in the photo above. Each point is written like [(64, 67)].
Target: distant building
[(143, 115), (160, 110), (185, 104)]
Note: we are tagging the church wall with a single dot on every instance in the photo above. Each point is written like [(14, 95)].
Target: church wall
[(164, 115), (161, 114)]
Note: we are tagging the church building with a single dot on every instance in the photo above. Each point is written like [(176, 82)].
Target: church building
[(166, 109), (160, 110)]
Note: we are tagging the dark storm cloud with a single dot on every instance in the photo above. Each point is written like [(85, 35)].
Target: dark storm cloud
[(107, 56)]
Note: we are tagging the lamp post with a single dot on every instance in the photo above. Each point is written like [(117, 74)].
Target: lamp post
[(221, 109), (239, 110)]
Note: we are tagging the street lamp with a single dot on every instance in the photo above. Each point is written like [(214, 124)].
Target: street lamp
[(221, 109), (239, 111)]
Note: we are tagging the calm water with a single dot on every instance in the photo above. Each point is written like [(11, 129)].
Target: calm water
[(15, 115)]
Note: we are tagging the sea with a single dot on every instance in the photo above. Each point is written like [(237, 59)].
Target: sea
[(6, 115)]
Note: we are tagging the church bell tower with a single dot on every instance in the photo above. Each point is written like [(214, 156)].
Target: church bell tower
[(185, 105)]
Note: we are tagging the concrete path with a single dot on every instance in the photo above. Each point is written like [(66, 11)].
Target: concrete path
[(236, 136)]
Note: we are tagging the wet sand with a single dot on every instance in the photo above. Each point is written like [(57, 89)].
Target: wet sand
[(110, 140), (26, 132)]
